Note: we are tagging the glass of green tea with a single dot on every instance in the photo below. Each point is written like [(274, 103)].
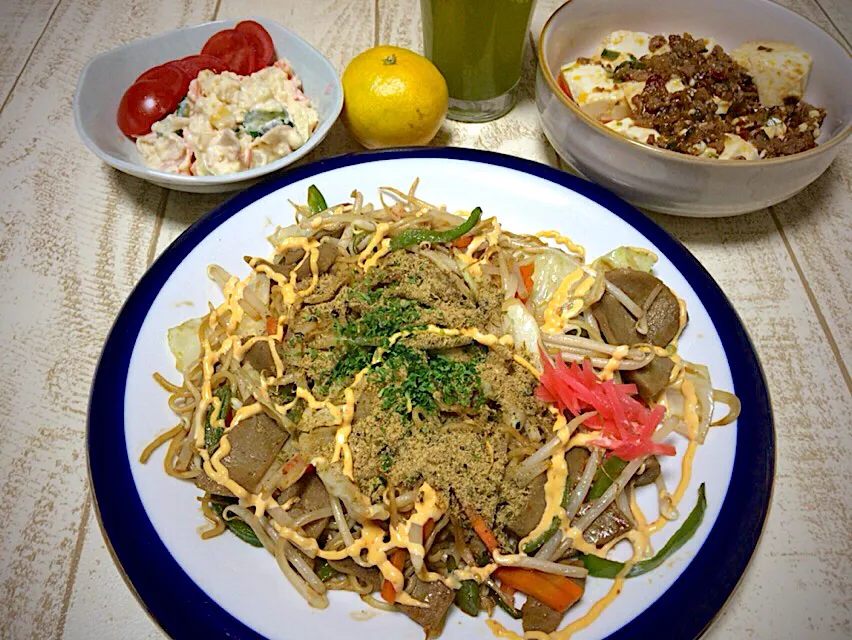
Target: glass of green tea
[(478, 45)]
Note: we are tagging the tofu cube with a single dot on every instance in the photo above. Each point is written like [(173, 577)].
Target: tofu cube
[(628, 129), (625, 44), (738, 149), (674, 85), (595, 92), (780, 70), (630, 90)]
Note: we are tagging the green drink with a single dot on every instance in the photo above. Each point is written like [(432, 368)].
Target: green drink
[(478, 45)]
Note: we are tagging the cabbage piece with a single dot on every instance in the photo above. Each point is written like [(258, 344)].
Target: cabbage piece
[(630, 257), (184, 343), (551, 268), (292, 231), (258, 284), (255, 304), (357, 504), (249, 327), (464, 268), (674, 400), (522, 326)]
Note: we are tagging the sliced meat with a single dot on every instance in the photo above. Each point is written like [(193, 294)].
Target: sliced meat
[(255, 442), (649, 475), (260, 357), (650, 379), (576, 460), (367, 575), (292, 257), (530, 515), (610, 524), (312, 496), (619, 326), (537, 616), (203, 482), (438, 596)]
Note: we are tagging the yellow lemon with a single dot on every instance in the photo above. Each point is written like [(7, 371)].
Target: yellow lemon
[(393, 97)]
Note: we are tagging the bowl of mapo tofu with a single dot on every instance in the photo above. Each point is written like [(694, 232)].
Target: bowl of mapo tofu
[(693, 109)]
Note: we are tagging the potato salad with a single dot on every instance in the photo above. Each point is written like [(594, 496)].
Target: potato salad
[(229, 123)]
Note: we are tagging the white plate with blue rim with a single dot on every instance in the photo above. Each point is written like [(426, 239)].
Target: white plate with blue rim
[(224, 588)]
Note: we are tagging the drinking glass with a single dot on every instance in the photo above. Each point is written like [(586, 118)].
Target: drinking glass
[(478, 45)]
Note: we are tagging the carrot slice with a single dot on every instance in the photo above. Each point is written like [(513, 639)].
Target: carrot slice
[(397, 558), (461, 243), (291, 464), (481, 529), (427, 529), (557, 592), (526, 275), (271, 325), (563, 85)]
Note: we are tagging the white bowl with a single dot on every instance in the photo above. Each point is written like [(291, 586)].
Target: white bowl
[(672, 182), (108, 75)]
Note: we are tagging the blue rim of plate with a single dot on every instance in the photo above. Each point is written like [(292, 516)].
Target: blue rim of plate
[(684, 610)]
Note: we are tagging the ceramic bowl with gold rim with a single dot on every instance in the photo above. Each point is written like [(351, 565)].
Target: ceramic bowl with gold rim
[(677, 183)]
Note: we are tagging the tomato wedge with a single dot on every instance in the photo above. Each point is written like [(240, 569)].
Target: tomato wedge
[(260, 41), (232, 48), (193, 65), (564, 85), (143, 104), (169, 77)]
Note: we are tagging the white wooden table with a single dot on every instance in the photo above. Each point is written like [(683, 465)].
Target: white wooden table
[(75, 236)]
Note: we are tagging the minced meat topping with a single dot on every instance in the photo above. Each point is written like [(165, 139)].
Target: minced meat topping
[(690, 97), (689, 120)]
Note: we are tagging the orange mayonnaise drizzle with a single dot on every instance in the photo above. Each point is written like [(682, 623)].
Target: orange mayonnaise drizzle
[(566, 242), (375, 541), (568, 301), (690, 416), (612, 364)]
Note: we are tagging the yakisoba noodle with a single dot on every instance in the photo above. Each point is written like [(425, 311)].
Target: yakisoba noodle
[(426, 409)]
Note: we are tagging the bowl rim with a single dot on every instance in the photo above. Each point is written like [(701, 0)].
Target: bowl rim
[(666, 154), (140, 170)]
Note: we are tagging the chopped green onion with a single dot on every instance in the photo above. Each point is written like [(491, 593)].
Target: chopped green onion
[(608, 54)]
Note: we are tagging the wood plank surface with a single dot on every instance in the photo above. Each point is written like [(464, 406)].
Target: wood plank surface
[(804, 543), (22, 24), (817, 226), (839, 13), (73, 240)]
